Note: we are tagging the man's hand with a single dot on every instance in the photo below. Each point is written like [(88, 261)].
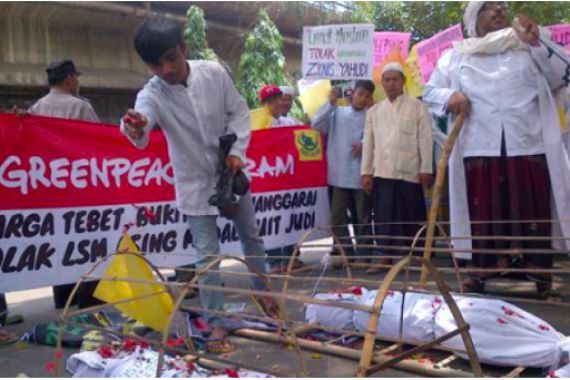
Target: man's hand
[(234, 163), (134, 124), (333, 97), (426, 180), (526, 29), (459, 103), (367, 183), (356, 149), (20, 112)]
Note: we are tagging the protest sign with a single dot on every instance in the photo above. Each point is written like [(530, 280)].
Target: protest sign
[(338, 51), (384, 42), (431, 49), (561, 35), (69, 189)]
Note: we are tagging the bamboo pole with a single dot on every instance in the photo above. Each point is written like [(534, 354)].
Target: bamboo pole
[(353, 354), (439, 182)]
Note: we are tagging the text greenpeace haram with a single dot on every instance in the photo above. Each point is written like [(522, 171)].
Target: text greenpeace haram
[(63, 173)]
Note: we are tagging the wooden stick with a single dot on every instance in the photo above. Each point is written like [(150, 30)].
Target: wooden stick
[(353, 354), (424, 347)]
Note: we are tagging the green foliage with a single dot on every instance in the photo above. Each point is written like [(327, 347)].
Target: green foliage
[(195, 37), (262, 61), (426, 18)]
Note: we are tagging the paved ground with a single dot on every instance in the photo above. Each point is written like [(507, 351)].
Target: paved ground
[(37, 307)]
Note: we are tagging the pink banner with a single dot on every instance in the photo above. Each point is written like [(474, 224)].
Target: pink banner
[(431, 49), (561, 35), (384, 42)]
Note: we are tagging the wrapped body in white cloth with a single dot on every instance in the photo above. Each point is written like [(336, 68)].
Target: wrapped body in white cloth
[(503, 334)]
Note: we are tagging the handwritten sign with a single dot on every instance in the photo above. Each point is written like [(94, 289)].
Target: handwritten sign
[(431, 49), (384, 42), (561, 35), (338, 51)]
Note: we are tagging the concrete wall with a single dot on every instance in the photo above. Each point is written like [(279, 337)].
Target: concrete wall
[(98, 38)]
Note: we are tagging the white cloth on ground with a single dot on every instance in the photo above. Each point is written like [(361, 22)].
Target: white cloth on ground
[(502, 333)]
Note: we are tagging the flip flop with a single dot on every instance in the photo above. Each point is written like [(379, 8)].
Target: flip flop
[(7, 337), (267, 306), (221, 345), (13, 319)]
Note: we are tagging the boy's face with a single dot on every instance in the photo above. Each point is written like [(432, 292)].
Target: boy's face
[(275, 105), (361, 99), (287, 101), (172, 67)]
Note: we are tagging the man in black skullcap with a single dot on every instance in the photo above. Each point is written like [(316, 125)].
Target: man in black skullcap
[(63, 99)]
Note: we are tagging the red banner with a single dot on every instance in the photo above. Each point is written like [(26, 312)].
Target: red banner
[(48, 162), (68, 190)]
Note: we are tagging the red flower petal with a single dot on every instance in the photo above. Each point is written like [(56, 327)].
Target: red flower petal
[(544, 327), (58, 354), (231, 373), (357, 291), (50, 366), (501, 321)]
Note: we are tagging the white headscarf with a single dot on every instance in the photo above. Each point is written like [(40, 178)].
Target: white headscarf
[(393, 66), (470, 17), (286, 90)]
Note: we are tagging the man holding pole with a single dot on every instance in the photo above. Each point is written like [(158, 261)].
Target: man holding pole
[(508, 158)]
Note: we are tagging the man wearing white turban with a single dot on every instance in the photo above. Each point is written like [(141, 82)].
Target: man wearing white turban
[(509, 158)]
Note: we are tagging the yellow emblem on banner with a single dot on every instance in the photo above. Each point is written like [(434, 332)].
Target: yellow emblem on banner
[(308, 143), (153, 311)]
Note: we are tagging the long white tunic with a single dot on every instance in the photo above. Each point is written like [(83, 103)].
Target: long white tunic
[(193, 118), (510, 92)]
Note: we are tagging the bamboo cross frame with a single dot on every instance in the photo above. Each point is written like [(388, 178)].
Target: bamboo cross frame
[(438, 186)]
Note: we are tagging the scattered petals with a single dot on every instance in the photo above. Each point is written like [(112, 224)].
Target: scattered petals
[(501, 321), (144, 344), (58, 354), (544, 328)]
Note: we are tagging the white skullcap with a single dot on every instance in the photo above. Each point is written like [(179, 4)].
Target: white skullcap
[(393, 66), (470, 17), (286, 90)]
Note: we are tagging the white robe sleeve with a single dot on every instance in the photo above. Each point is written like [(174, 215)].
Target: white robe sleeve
[(438, 89)]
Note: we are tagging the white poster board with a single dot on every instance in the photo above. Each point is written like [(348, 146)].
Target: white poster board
[(338, 51)]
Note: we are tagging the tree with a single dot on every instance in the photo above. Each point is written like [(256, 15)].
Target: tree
[(262, 61), (195, 37), (425, 18)]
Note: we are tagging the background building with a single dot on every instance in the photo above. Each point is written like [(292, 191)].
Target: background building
[(98, 37)]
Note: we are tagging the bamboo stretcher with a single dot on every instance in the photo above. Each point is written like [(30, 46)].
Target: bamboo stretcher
[(289, 331)]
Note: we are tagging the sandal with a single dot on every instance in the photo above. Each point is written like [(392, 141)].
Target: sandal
[(473, 285), (7, 337), (219, 344), (546, 292), (267, 305), (13, 319)]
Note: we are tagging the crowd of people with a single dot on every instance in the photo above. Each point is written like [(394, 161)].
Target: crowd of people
[(507, 162)]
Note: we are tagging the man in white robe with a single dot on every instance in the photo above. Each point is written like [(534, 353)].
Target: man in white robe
[(509, 156)]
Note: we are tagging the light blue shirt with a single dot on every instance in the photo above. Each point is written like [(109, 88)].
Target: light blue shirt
[(344, 126)]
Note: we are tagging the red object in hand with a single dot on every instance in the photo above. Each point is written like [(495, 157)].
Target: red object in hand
[(129, 120)]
